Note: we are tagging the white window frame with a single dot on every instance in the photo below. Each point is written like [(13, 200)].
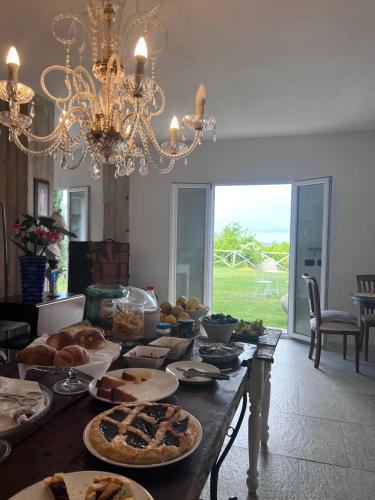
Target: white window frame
[(208, 243)]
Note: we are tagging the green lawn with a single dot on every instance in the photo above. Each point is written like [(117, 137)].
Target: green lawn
[(234, 293)]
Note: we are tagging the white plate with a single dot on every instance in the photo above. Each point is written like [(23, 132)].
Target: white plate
[(91, 449), (77, 483), (185, 365), (159, 386)]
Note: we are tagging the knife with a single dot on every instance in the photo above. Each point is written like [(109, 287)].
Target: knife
[(192, 372)]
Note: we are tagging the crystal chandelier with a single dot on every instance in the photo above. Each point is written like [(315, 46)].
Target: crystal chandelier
[(105, 114)]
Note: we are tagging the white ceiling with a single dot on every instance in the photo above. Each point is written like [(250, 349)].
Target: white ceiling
[(271, 67)]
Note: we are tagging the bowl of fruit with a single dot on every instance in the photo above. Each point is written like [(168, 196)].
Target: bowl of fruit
[(219, 327), (185, 308)]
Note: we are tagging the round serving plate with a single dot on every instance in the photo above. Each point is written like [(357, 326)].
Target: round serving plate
[(48, 396), (159, 386), (77, 483), (234, 350), (97, 454), (175, 369)]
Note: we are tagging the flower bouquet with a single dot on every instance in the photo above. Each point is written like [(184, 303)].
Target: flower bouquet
[(34, 236)]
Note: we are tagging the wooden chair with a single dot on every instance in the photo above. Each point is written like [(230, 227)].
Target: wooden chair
[(366, 283), (329, 322)]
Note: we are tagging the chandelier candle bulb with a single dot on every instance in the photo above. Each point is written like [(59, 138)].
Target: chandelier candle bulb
[(140, 55), (174, 129), (13, 64), (200, 99)]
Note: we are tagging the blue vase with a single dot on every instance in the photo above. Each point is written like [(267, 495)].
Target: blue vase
[(33, 272)]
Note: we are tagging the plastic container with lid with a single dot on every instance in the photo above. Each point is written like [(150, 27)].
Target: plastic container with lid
[(151, 314), (128, 319)]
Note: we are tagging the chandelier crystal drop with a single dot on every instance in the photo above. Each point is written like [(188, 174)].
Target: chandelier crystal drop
[(106, 113)]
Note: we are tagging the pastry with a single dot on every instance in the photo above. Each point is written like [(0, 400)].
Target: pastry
[(56, 485), (145, 434), (109, 488), (40, 354), (90, 338), (105, 386), (108, 382), (119, 395), (73, 355), (136, 377), (60, 340)]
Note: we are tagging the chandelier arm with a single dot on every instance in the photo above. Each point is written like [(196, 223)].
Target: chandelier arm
[(33, 152), (175, 156), (58, 130)]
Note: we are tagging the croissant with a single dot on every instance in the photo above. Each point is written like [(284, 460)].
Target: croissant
[(90, 338), (60, 340), (73, 355), (40, 354)]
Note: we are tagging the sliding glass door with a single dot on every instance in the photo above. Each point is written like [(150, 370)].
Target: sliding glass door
[(190, 261), (309, 249)]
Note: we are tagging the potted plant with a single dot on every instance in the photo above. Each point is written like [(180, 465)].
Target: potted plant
[(33, 236)]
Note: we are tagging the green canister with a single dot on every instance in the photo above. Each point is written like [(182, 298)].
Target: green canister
[(99, 308)]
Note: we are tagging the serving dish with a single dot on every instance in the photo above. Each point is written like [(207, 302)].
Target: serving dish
[(160, 385), (97, 454), (149, 356), (219, 352), (177, 346), (77, 483)]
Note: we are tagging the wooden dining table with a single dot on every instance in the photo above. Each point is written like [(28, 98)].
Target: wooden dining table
[(55, 444)]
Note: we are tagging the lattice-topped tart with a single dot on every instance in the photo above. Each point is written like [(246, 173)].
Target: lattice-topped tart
[(146, 434)]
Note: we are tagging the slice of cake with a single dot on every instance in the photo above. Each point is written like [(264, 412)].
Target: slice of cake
[(136, 377), (119, 395), (108, 382)]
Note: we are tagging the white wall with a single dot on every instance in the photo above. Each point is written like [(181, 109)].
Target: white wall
[(81, 177), (349, 158)]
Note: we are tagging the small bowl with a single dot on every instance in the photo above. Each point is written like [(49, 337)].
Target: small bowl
[(146, 356), (196, 316), (177, 346), (219, 333)]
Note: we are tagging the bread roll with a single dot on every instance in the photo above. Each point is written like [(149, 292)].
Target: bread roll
[(60, 340), (90, 338), (73, 355), (40, 354)]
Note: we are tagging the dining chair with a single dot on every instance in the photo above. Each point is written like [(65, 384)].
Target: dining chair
[(328, 321), (366, 283)]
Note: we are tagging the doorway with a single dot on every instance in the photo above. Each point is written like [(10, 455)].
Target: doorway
[(264, 277), (251, 252)]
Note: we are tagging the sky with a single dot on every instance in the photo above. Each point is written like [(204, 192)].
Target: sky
[(263, 209)]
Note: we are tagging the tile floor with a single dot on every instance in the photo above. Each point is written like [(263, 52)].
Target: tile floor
[(322, 432)]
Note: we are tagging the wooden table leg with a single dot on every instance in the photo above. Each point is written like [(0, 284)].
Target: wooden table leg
[(256, 386), (266, 403)]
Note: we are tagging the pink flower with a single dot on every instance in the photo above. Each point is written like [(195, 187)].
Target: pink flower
[(17, 227), (41, 232), (52, 236)]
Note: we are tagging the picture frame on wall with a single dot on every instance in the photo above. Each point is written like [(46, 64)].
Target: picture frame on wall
[(41, 198)]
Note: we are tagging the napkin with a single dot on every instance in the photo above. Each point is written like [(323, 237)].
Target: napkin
[(20, 388)]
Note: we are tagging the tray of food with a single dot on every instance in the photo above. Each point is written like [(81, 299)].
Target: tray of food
[(249, 330), (133, 385), (81, 347), (144, 436), (84, 485)]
